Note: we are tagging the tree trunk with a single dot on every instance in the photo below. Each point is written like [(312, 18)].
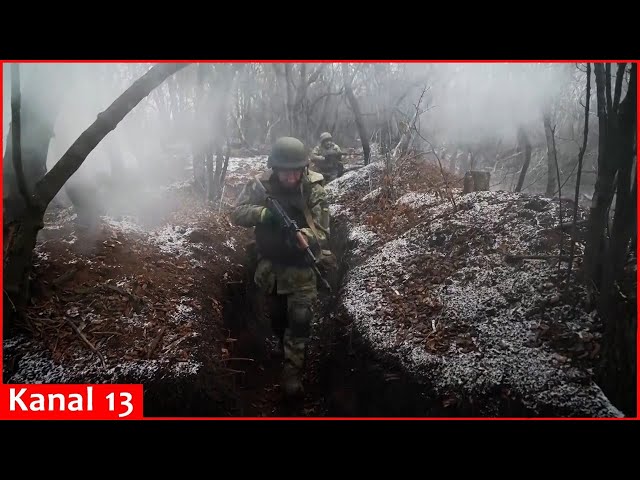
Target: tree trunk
[(289, 97), (36, 133), (223, 175), (607, 251), (19, 242), (619, 338), (551, 155), (355, 107), (199, 171), (210, 180), (604, 187), (21, 234), (323, 117), (625, 201), (218, 173), (524, 141), (221, 113), (362, 131)]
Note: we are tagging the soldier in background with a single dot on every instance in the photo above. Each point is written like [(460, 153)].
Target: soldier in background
[(327, 158)]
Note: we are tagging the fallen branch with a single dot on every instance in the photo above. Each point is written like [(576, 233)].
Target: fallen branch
[(85, 340), (137, 301), (10, 301), (175, 343), (155, 342), (84, 291), (566, 226), (121, 291), (65, 276), (562, 258)]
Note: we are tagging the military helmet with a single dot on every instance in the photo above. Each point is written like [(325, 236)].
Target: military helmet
[(288, 152), (325, 136)]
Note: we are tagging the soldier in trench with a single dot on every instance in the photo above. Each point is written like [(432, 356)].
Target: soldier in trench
[(286, 285), (327, 158)]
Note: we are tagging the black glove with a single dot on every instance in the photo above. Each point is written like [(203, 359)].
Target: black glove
[(267, 217)]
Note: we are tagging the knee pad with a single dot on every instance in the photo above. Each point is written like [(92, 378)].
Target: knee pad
[(300, 316)]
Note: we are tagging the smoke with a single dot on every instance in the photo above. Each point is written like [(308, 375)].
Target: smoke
[(148, 150), (153, 146), (474, 102)]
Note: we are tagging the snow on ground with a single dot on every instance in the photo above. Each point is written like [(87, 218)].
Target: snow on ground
[(442, 300)]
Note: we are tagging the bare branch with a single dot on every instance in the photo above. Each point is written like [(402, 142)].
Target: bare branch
[(555, 155), (442, 172), (16, 145), (618, 90), (579, 69), (50, 185), (405, 140), (324, 95), (538, 178), (607, 69), (86, 341), (315, 74)]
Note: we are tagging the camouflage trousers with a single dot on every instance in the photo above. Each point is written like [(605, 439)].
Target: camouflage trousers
[(330, 175), (329, 172), (285, 302)]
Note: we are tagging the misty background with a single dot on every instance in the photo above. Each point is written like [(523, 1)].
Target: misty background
[(472, 113), (187, 124)]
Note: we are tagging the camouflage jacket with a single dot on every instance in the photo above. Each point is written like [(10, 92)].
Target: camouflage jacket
[(271, 241), (325, 158)]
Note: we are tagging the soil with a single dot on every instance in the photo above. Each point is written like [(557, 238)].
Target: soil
[(156, 299), (460, 299)]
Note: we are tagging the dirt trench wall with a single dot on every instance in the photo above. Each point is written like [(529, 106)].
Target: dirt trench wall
[(483, 337)]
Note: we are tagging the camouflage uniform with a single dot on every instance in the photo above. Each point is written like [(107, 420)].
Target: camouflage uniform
[(286, 282), (327, 158)]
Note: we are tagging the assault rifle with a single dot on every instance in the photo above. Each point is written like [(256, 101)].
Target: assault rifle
[(292, 228)]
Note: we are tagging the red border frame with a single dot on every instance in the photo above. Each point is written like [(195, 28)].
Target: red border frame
[(2, 62)]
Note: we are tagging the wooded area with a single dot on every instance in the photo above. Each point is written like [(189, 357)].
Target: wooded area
[(565, 133)]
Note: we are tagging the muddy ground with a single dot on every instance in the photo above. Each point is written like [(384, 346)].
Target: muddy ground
[(159, 299), (153, 294)]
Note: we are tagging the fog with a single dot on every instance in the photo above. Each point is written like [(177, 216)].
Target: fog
[(148, 150), (464, 103), (472, 102)]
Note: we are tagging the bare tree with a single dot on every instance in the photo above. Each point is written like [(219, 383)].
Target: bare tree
[(523, 139), (552, 155), (355, 108), (21, 232), (608, 244), (580, 159)]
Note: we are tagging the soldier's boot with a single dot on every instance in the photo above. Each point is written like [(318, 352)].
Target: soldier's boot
[(294, 359), (292, 386), (276, 346), (279, 327)]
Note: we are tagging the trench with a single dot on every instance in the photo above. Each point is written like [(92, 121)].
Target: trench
[(357, 381), (344, 376)]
